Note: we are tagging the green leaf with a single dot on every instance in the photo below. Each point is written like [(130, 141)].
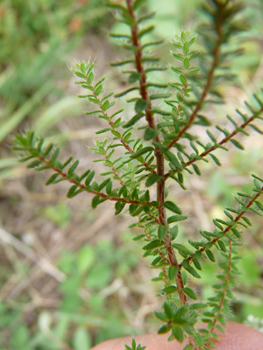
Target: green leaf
[(119, 207), (80, 75), (85, 258), (178, 333), (202, 120), (181, 248), (102, 131), (197, 306), (34, 164), (137, 238), (221, 245), (95, 201), (152, 179), (153, 244), (99, 90), (172, 272), (237, 144), (81, 339), (52, 179), (157, 96), (125, 92), (71, 191), (150, 134), (169, 290), (142, 151), (103, 184), (220, 328), (20, 337), (145, 31), (109, 187), (162, 231), (259, 205), (161, 316), (90, 77), (134, 77), (168, 309), (198, 339), (197, 264), (186, 48), (215, 159), (188, 291), (188, 347), (73, 167), (212, 137), (164, 329), (186, 63), (176, 218), (105, 105), (173, 159), (140, 105), (183, 79), (256, 128), (116, 133), (89, 178), (196, 169), (172, 206), (156, 260), (137, 3), (192, 271), (85, 174), (133, 120), (173, 232), (92, 112), (210, 255), (99, 276), (54, 156)]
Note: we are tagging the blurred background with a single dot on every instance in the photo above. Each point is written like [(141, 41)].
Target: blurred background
[(72, 277)]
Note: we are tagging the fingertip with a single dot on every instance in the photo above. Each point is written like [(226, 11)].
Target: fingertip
[(236, 337), (240, 337)]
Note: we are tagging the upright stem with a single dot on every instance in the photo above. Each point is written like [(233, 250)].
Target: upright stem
[(158, 154), (209, 81)]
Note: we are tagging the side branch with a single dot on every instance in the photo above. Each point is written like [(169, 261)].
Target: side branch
[(227, 229), (111, 124), (88, 189), (210, 76), (217, 145), (224, 291)]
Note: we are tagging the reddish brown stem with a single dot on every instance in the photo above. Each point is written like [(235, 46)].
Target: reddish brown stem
[(228, 228), (159, 156), (83, 187), (114, 171), (221, 143), (208, 84), (225, 288), (111, 125)]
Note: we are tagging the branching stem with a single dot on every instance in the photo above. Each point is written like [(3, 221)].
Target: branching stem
[(85, 188), (210, 77), (105, 114), (226, 282), (158, 155), (228, 228), (221, 143)]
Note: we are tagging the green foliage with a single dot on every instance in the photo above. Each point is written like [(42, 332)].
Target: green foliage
[(134, 347), (79, 319), (35, 38), (169, 151)]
